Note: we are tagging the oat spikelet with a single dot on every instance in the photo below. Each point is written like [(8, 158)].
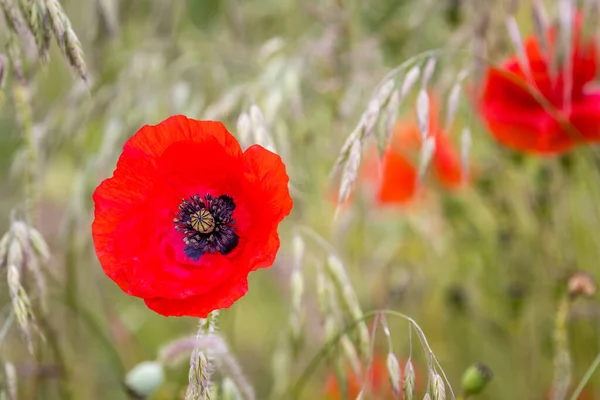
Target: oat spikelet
[(409, 81), (394, 374), (21, 304), (36, 17), (439, 387), (423, 113), (427, 151), (66, 38), (409, 380), (199, 375), (350, 172), (428, 72), (338, 274)]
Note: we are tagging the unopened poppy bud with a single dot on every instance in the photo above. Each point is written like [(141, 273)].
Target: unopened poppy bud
[(409, 380), (143, 380), (582, 284), (475, 379), (394, 372)]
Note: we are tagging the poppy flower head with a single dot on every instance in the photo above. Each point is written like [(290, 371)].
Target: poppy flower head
[(187, 215), (520, 120)]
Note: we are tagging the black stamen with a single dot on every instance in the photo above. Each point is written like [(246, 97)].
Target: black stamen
[(207, 224)]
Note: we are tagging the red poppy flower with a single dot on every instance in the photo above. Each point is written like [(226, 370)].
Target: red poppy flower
[(518, 120), (396, 174), (379, 383), (187, 215)]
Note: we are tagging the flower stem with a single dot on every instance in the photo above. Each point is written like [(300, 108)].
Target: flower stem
[(562, 357)]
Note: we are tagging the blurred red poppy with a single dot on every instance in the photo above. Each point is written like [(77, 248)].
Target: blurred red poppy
[(396, 174), (584, 395), (187, 215), (519, 121), (379, 383)]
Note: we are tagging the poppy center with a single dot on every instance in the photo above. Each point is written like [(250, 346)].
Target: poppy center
[(207, 225)]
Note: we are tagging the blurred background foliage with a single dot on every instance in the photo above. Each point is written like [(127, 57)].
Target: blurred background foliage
[(481, 270)]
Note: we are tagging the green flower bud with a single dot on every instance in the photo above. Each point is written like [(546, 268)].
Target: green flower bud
[(475, 379), (144, 379)]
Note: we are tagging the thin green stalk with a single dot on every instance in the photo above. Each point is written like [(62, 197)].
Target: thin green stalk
[(586, 378)]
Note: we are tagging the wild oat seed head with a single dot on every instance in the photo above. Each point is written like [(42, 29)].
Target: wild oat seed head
[(409, 81), (439, 387), (391, 116), (39, 244), (427, 151), (423, 113), (428, 72), (385, 91), (453, 102), (350, 172), (409, 380), (370, 116), (394, 373), (15, 253), (21, 304)]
